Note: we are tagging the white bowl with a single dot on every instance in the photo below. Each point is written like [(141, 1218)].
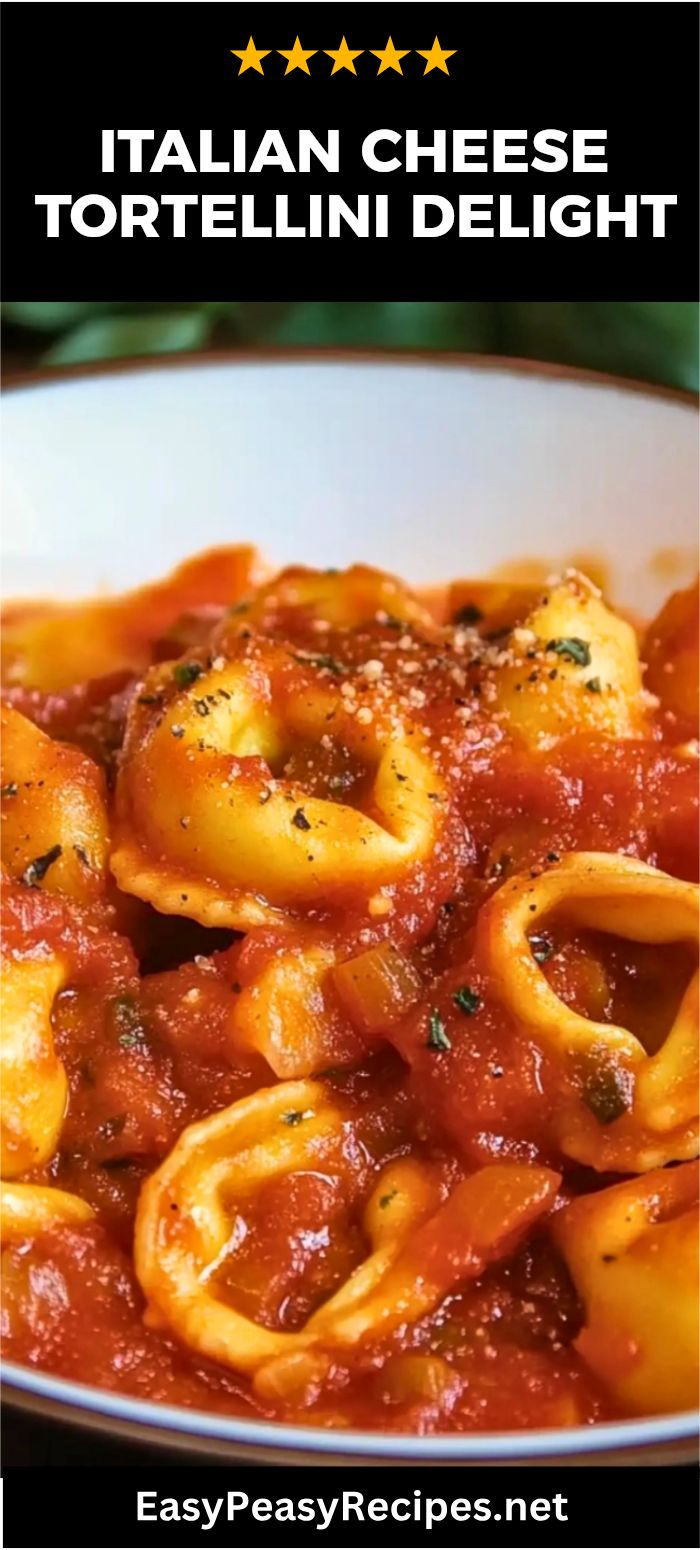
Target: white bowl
[(432, 469)]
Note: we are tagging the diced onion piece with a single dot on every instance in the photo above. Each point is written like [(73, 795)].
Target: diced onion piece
[(412, 1378), (377, 987)]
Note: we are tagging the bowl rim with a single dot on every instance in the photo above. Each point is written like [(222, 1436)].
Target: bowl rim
[(473, 1447), (85, 1403), (290, 355)]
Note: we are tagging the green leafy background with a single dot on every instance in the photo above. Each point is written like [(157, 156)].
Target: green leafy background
[(652, 341)]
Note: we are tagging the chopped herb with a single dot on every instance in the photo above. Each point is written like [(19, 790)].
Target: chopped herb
[(186, 673), (573, 648), (37, 869), (552, 855), (594, 685), (467, 1000), (385, 1200), (321, 659), (392, 622), (82, 855), (469, 614), (437, 1035), (10, 790), (294, 1116), (541, 947), (300, 819), (126, 1020), (607, 1093), (178, 731), (201, 707), (149, 699)]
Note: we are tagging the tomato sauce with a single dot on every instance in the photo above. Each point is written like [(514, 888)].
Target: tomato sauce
[(143, 1029)]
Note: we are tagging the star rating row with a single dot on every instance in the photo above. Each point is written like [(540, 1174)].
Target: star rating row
[(343, 57)]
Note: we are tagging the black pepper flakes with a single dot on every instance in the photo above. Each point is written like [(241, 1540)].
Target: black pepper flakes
[(33, 874)]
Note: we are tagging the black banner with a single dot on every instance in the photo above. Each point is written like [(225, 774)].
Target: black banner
[(278, 1507), (550, 209)]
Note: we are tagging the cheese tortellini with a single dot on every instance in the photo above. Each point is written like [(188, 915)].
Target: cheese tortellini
[(209, 824), (571, 664), (633, 1254), (33, 1085), (184, 1228), (54, 812), (29, 1209), (647, 1103)]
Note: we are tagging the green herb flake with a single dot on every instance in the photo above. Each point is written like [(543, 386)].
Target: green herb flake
[(594, 685), (385, 1200), (467, 1000), (321, 659), (572, 648), (10, 790), (295, 1116), (126, 1021), (607, 1093), (186, 673), (34, 874), (437, 1034)]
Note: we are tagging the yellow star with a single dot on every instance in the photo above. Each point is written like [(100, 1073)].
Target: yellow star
[(296, 57), (390, 57), (436, 57), (250, 57), (343, 57)]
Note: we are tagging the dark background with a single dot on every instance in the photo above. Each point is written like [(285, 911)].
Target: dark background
[(71, 70)]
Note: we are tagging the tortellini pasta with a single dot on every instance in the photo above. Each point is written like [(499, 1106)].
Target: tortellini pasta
[(54, 812), (340, 979), (33, 1087), (51, 646), (571, 664), (183, 1229), (647, 1103), (29, 1209), (633, 1253), (210, 826)]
